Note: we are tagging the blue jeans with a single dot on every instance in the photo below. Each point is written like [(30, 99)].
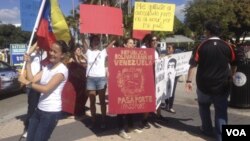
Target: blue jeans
[(41, 125), (220, 106), (96, 83)]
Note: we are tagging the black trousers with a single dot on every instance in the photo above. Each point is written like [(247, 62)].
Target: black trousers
[(33, 99), (170, 101), (124, 120)]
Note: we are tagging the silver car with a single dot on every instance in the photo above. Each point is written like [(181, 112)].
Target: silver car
[(8, 78)]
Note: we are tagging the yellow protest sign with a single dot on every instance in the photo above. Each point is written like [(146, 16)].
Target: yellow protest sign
[(154, 16)]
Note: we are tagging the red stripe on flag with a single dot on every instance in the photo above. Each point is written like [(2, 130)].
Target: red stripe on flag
[(45, 38)]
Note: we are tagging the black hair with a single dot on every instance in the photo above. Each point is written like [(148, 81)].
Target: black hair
[(92, 37), (213, 27), (64, 47), (148, 39), (174, 61), (125, 40)]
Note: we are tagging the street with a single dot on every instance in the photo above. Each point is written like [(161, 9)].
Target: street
[(182, 125), (12, 105)]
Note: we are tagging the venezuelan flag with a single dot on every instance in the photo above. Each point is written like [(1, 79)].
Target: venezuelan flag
[(52, 26)]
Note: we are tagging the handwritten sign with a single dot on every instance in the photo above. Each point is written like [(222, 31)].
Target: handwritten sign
[(153, 16), (131, 88), (182, 62)]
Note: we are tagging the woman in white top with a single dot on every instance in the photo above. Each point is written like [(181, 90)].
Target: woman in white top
[(50, 82), (96, 76)]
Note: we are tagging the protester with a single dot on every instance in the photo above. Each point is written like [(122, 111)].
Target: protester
[(78, 56), (212, 57), (96, 76), (127, 118), (171, 65), (49, 82), (150, 41), (33, 95), (77, 76), (1, 55)]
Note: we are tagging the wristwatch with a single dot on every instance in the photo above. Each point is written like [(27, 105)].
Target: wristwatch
[(188, 81), (29, 85)]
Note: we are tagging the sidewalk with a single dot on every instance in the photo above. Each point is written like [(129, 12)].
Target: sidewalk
[(184, 125)]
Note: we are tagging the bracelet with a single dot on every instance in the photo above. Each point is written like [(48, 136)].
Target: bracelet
[(29, 85), (188, 81)]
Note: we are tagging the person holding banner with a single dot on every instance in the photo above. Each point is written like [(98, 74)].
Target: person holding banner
[(150, 41), (215, 60), (171, 65), (49, 82), (96, 76), (126, 118)]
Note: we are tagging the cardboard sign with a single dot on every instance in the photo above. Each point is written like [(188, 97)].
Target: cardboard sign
[(154, 16), (140, 34), (131, 81), (100, 20)]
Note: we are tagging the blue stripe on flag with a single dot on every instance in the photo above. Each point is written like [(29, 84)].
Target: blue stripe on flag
[(28, 11)]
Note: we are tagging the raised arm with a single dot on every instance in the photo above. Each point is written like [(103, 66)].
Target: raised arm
[(32, 48), (85, 44)]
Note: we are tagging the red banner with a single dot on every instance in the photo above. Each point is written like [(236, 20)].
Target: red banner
[(100, 19), (131, 80)]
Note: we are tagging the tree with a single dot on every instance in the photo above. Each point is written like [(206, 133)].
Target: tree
[(11, 34), (233, 15)]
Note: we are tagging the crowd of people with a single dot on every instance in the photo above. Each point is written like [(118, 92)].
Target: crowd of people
[(86, 70)]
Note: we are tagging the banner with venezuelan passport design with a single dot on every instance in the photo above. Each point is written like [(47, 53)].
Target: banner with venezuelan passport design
[(131, 85)]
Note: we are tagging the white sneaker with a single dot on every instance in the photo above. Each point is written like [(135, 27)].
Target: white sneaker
[(124, 135), (25, 134), (137, 131)]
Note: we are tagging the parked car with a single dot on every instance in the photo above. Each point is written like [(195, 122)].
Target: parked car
[(9, 79)]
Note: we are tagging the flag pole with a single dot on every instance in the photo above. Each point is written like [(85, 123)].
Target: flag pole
[(34, 29)]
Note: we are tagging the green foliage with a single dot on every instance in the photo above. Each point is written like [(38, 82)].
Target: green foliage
[(233, 15), (10, 34)]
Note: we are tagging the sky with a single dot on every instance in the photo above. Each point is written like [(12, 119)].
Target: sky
[(10, 9)]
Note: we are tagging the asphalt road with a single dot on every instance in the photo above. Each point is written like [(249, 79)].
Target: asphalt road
[(12, 105)]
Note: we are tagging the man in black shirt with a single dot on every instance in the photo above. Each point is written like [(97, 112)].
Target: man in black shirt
[(214, 59)]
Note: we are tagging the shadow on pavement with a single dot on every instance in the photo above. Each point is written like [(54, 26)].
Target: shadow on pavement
[(185, 119)]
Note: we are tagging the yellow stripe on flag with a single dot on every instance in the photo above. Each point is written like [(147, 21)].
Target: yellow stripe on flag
[(59, 25)]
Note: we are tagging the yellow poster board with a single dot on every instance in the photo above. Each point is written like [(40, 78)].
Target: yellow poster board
[(154, 16)]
